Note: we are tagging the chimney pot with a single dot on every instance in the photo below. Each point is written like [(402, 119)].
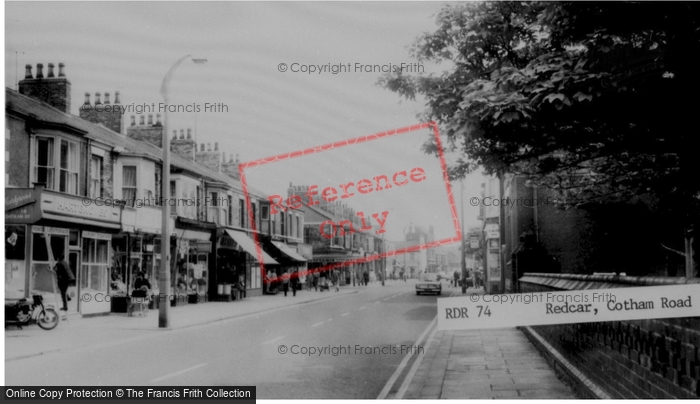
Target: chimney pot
[(97, 99), (208, 146), (237, 158), (106, 98), (174, 135), (231, 159), (50, 70), (116, 97), (142, 121), (223, 157), (157, 118), (60, 70), (39, 71), (182, 133), (87, 99), (150, 119), (216, 146), (202, 147), (189, 133), (133, 120), (28, 72)]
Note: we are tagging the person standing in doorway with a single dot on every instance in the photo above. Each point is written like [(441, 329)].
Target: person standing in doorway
[(64, 277)]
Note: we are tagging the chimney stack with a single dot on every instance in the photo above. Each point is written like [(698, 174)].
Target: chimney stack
[(54, 92), (112, 119), (186, 148)]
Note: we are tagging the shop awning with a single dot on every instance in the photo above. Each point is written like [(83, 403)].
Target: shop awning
[(192, 234), (288, 251), (247, 244), (76, 220)]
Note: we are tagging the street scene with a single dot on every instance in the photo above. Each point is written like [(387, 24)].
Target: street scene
[(351, 200)]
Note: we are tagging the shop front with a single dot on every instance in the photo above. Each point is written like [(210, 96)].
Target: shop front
[(192, 278), (42, 226), (238, 261)]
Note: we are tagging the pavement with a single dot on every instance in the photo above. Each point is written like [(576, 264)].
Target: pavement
[(77, 332), (483, 364)]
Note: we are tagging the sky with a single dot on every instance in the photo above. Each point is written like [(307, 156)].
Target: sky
[(263, 111)]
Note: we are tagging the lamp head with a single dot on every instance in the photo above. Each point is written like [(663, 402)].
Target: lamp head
[(199, 61)]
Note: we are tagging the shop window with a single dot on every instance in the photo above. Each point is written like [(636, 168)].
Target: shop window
[(43, 161), (96, 177), (129, 185), (74, 238), (15, 263), (70, 163)]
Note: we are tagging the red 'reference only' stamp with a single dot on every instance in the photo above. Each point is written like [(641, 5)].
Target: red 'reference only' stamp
[(406, 176)]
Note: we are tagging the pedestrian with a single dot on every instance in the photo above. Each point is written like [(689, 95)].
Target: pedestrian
[(365, 276), (64, 277), (335, 280), (315, 281), (241, 287), (456, 278), (309, 280), (285, 282), (294, 281)]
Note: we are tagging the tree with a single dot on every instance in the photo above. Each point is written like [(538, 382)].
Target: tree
[(592, 100)]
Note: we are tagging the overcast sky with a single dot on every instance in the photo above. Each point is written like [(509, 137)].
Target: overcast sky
[(129, 46)]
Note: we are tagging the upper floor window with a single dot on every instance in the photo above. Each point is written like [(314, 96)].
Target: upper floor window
[(70, 163), (282, 224), (129, 185), (43, 161), (298, 228), (95, 177), (217, 208), (45, 155), (241, 212), (230, 210)]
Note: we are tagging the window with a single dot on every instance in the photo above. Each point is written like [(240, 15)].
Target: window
[(213, 207), (43, 162), (70, 163), (230, 210), (298, 228), (241, 212), (129, 184), (282, 216), (253, 205), (96, 177), (265, 212), (93, 275)]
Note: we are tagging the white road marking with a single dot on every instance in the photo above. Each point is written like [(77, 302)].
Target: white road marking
[(160, 379), (409, 377), (273, 340), (344, 314), (389, 384), (363, 307), (317, 324)]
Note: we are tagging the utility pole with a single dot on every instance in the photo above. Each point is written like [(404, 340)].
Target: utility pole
[(464, 247)]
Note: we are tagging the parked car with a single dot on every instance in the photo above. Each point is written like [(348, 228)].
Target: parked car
[(428, 283)]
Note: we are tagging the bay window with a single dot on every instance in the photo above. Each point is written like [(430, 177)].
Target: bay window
[(43, 161)]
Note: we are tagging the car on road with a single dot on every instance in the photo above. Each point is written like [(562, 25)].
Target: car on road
[(428, 283)]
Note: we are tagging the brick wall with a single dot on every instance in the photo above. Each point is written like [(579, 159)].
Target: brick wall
[(628, 359), (107, 114), (147, 131)]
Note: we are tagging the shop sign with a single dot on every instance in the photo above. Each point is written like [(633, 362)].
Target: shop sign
[(203, 246), (99, 236), (15, 198), (76, 207), (474, 242), (50, 230), (491, 231), (226, 242), (25, 214)]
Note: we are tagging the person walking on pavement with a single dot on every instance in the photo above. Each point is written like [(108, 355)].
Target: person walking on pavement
[(285, 282), (294, 282), (309, 280), (335, 280), (365, 276), (456, 278), (315, 280), (64, 277)]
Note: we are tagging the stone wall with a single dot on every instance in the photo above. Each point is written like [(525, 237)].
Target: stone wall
[(627, 359)]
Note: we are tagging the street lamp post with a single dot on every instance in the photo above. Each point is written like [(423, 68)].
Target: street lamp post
[(464, 247), (164, 306)]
